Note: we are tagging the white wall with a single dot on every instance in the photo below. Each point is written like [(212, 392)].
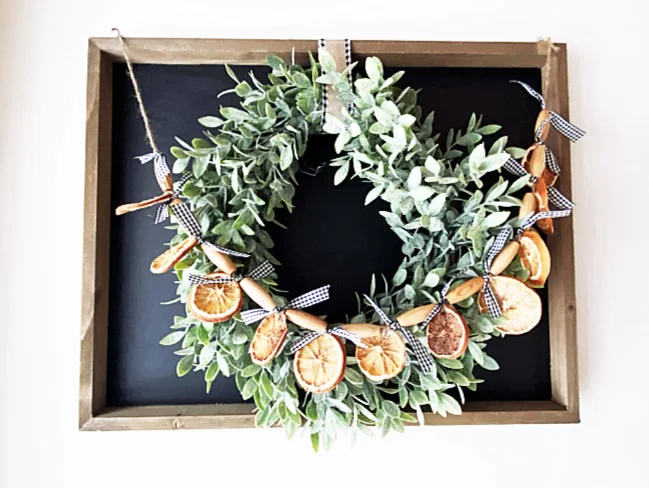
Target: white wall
[(42, 116)]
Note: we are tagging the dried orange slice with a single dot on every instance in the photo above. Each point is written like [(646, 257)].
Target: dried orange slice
[(384, 357), (541, 194), (447, 334), (535, 257), (215, 302), (320, 365), (520, 305), (268, 338), (171, 256)]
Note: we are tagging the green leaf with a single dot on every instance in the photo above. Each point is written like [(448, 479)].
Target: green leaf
[(432, 279), (172, 338), (488, 129), (353, 376), (243, 89), (341, 174), (203, 335), (432, 165), (469, 139), (421, 193), (494, 162), (516, 152), (414, 179), (264, 382), (250, 370), (449, 404), (399, 277), (495, 219), (374, 68), (315, 441), (180, 165), (207, 354), (301, 80), (326, 61), (249, 389), (339, 405), (490, 363), (373, 194), (184, 366), (286, 158), (178, 152), (235, 114), (211, 372), (436, 204), (210, 121)]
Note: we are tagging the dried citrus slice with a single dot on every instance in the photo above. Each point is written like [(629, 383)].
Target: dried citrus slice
[(215, 302), (268, 338), (320, 365), (171, 256), (520, 305), (535, 257), (447, 334), (541, 194), (384, 357)]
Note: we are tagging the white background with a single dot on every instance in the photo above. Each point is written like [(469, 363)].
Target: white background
[(42, 122)]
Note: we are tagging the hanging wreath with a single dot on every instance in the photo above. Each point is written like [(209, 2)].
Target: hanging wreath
[(470, 254)]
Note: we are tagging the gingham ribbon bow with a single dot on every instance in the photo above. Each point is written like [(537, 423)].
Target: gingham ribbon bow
[(438, 306), (534, 218), (423, 355), (162, 212), (160, 167), (190, 224), (303, 301), (261, 271), (555, 197), (338, 331), (572, 132), (490, 297)]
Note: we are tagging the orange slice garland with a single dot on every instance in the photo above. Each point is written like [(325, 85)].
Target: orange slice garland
[(384, 356), (520, 305), (215, 302), (447, 334), (173, 255), (268, 338), (320, 365)]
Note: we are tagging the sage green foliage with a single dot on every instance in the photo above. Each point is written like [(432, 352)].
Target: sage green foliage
[(245, 170)]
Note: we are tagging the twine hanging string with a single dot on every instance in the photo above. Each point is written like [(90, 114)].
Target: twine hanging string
[(138, 93), (551, 49)]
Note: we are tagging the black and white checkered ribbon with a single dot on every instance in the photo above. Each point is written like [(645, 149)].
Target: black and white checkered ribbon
[(192, 228), (438, 306), (423, 355), (490, 297), (162, 212), (322, 44), (572, 132), (303, 301), (160, 167), (261, 271), (338, 331), (554, 196), (534, 218)]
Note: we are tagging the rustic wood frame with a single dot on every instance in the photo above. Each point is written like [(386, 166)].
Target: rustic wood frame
[(103, 52)]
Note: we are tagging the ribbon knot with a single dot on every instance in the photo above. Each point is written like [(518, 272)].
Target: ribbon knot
[(337, 331), (423, 355), (160, 167), (162, 212), (555, 197), (493, 307), (191, 227), (261, 271), (565, 128), (303, 301), (438, 306)]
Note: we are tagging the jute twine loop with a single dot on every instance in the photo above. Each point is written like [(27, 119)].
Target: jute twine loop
[(138, 94), (550, 50)]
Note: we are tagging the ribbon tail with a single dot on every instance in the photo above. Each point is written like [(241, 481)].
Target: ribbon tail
[(350, 336), (558, 200), (161, 213), (493, 307), (304, 340), (433, 313), (423, 355), (254, 315), (569, 130), (551, 161)]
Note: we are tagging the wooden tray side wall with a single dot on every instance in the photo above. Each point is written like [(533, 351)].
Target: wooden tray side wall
[(102, 52)]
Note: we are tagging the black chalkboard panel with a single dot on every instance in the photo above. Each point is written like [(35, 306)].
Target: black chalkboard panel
[(331, 238)]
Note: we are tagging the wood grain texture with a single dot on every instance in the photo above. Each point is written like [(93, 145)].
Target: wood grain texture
[(392, 53), (94, 415), (561, 283), (241, 416), (95, 276)]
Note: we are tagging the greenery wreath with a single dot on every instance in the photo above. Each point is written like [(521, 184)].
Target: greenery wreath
[(453, 229)]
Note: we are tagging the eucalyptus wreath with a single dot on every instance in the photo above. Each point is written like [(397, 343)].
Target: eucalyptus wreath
[(244, 170)]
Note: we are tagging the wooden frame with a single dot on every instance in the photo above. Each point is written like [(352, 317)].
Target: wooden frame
[(103, 52)]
